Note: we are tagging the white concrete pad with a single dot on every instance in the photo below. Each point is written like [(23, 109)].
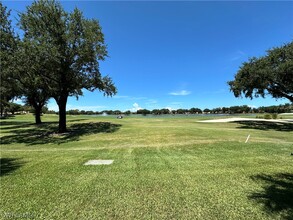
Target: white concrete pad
[(99, 162)]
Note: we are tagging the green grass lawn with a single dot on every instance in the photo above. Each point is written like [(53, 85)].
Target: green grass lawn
[(164, 168)]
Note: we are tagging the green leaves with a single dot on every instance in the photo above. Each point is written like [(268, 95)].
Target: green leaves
[(271, 74), (73, 44), (9, 87), (67, 49), (57, 57)]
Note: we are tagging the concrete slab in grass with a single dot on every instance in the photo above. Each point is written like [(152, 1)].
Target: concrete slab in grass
[(99, 162)]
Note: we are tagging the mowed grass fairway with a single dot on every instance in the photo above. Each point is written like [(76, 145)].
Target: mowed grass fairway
[(164, 168)]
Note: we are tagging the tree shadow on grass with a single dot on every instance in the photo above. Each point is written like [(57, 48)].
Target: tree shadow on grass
[(277, 193), (11, 124), (47, 133), (265, 125), (3, 117), (8, 165)]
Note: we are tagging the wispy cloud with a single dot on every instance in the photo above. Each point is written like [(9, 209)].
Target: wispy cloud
[(180, 93), (120, 97), (237, 55), (87, 107), (128, 97)]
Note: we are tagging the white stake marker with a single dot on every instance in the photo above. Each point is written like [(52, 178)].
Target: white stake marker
[(247, 138)]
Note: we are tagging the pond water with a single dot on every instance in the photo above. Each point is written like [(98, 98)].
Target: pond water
[(174, 116)]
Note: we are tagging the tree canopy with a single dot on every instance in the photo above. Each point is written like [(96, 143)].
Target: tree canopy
[(21, 64), (70, 47), (270, 74), (8, 45), (28, 69)]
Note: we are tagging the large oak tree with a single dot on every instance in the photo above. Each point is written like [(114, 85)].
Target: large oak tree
[(270, 74), (71, 47)]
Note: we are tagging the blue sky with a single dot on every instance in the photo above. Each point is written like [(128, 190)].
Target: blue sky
[(179, 54)]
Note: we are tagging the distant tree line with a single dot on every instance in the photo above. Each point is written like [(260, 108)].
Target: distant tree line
[(244, 109), (14, 108)]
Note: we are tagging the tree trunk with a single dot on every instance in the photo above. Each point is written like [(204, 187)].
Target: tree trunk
[(2, 111), (38, 111), (62, 113)]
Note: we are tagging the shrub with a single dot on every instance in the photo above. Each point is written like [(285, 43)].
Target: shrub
[(274, 115), (267, 116)]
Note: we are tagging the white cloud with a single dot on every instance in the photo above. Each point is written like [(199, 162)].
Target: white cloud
[(135, 107), (169, 108), (180, 93)]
